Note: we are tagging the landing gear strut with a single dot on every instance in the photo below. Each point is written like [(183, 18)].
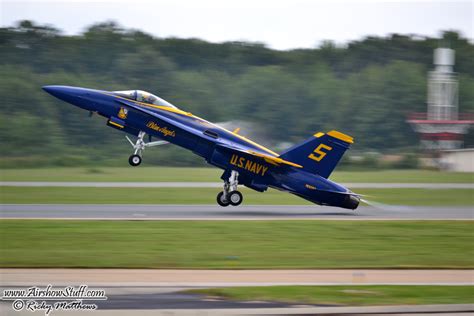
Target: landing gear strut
[(230, 195), (139, 146)]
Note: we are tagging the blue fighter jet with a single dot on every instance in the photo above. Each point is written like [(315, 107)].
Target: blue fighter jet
[(302, 170)]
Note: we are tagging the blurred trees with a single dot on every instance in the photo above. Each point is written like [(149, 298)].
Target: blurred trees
[(364, 89)]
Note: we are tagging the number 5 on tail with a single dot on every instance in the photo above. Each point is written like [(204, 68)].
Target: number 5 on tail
[(318, 154)]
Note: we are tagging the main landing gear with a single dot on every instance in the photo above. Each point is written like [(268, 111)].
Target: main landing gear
[(230, 195), (139, 146)]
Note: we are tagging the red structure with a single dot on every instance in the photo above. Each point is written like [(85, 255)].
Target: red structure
[(442, 127), (441, 134)]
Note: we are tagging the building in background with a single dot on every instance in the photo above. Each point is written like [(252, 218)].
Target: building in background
[(459, 160), (442, 127)]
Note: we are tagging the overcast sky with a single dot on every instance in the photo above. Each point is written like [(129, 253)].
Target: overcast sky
[(281, 24)]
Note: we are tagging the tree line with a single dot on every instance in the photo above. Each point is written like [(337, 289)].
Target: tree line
[(365, 88)]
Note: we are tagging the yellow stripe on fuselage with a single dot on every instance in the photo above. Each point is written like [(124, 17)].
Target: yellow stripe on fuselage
[(251, 142), (116, 124), (178, 111), (275, 160), (239, 136)]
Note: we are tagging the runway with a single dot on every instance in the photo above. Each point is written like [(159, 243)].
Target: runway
[(243, 212), (223, 278)]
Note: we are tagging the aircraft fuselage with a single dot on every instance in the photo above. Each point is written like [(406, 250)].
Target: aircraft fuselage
[(219, 147)]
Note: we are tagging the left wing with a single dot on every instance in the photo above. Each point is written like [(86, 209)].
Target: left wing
[(270, 159)]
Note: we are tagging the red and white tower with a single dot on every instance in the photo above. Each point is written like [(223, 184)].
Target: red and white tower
[(442, 127)]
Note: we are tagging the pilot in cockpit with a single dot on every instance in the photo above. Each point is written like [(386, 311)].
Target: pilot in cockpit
[(144, 97)]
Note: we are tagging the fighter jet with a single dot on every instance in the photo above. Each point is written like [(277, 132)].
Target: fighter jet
[(302, 170)]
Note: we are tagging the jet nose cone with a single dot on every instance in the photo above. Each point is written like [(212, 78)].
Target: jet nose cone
[(57, 91), (81, 97), (49, 89), (65, 93)]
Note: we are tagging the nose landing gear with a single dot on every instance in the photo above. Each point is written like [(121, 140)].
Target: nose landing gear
[(230, 195), (139, 146)]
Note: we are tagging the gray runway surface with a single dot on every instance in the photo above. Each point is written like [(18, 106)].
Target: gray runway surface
[(219, 185), (243, 212), (171, 301), (225, 278), (146, 298)]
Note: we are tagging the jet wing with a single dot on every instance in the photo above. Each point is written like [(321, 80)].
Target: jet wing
[(270, 159)]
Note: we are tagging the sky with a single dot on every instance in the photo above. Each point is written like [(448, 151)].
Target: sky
[(280, 24)]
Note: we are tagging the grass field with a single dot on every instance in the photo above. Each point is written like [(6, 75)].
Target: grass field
[(56, 195), (349, 295), (236, 244), (168, 174)]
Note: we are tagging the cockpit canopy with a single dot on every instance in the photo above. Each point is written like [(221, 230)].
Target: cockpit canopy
[(143, 96)]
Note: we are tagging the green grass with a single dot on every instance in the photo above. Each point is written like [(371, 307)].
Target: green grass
[(236, 244), (58, 195), (169, 174), (349, 295), (108, 174)]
